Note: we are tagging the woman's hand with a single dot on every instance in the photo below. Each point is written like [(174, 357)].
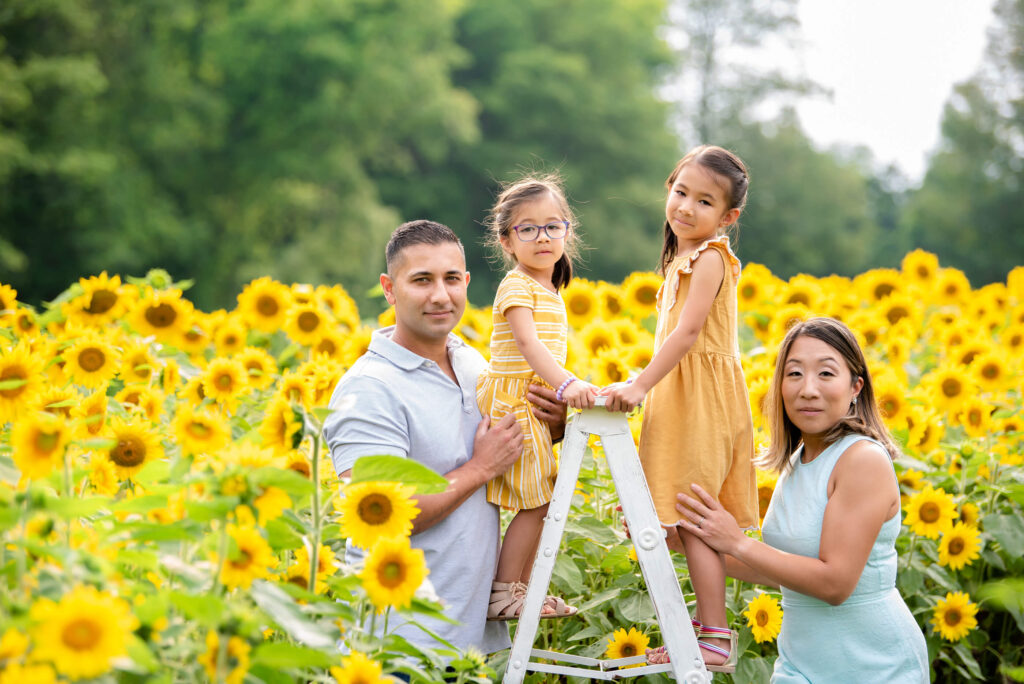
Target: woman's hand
[(623, 396), (709, 521), (579, 394)]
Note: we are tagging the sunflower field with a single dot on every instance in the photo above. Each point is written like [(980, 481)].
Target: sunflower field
[(168, 512)]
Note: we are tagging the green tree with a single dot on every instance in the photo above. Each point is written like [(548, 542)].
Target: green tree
[(561, 85), (970, 206)]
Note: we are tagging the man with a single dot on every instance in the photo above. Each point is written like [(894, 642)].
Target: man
[(414, 395)]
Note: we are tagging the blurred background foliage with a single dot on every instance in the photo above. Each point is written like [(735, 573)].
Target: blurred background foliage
[(229, 139)]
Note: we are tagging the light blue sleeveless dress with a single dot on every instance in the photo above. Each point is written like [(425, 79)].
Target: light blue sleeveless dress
[(872, 635)]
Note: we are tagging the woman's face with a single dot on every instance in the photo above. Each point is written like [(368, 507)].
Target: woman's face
[(817, 387)]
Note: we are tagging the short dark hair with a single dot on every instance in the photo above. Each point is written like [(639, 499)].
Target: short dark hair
[(418, 232)]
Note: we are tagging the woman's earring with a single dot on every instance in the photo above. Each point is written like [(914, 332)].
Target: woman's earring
[(855, 400)]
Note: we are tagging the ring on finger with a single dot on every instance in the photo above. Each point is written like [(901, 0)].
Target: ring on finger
[(700, 523)]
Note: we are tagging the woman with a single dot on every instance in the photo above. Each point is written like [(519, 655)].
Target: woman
[(830, 530)]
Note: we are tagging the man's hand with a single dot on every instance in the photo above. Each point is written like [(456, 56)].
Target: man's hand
[(548, 408), (496, 447)]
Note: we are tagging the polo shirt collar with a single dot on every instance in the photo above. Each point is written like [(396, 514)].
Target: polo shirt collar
[(382, 345)]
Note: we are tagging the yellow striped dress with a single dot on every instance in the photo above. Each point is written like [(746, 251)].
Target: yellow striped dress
[(502, 390)]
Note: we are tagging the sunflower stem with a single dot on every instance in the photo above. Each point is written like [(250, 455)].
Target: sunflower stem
[(67, 473), (314, 552), (222, 553), (910, 551)]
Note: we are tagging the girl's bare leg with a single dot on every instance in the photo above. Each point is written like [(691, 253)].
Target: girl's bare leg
[(707, 575), (519, 547)]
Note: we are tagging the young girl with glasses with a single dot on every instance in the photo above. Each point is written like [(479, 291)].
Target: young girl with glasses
[(697, 426), (531, 227)]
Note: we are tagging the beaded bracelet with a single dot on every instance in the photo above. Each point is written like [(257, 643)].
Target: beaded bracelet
[(561, 388)]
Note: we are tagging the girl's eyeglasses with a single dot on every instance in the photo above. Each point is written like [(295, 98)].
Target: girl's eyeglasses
[(528, 232)]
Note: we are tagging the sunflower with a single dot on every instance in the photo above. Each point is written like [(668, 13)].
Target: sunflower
[(598, 335), (296, 388), (966, 352), (785, 317), (305, 323), (990, 370), (103, 300), (230, 336), (199, 431), (386, 317), (24, 322), (323, 374), (950, 387), (170, 377), (142, 399), (162, 313), (764, 616), (374, 510), (610, 299), (954, 616), (930, 512), (197, 337), (756, 285), (640, 293), (801, 289), (193, 390), (8, 302), (951, 286), (357, 344), (236, 661), (136, 443), (138, 364), (102, 474), (393, 572), (925, 429), (581, 302), (224, 380), (878, 283), (264, 304), (909, 480), (1012, 338), (248, 456), (975, 416), (281, 428), (891, 397), (766, 481), (969, 514), (608, 367), (341, 305), (638, 355), (82, 633), (297, 462), (959, 546), (21, 381), (39, 441), (757, 394), (332, 343), (251, 558), (921, 268), (326, 565), (260, 366), (623, 644), (57, 400), (356, 668), (13, 644), (900, 307), (90, 361)]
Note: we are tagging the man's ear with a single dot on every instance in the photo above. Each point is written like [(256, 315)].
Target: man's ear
[(387, 285), (467, 278)]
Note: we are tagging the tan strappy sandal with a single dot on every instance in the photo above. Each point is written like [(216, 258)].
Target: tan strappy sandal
[(507, 600)]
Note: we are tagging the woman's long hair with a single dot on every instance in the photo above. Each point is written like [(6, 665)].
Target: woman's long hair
[(864, 417)]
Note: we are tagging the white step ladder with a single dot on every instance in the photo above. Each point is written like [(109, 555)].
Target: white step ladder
[(648, 535)]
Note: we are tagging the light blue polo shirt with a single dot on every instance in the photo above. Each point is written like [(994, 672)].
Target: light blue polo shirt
[(392, 401)]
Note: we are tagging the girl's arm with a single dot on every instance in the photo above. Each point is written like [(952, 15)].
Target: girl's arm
[(579, 394), (857, 507), (708, 272)]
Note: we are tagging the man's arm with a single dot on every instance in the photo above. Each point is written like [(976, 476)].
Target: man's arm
[(549, 409), (495, 449)]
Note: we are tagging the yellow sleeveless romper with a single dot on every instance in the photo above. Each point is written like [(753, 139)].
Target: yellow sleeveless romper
[(502, 389), (697, 425)]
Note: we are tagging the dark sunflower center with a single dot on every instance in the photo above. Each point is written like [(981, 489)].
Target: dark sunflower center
[(267, 306), (25, 323), (974, 417), (391, 573), (224, 382), (923, 272), (646, 295), (375, 509), (46, 441), (748, 291), (953, 617), (102, 301), (129, 452), (301, 467), (612, 305), (92, 359), (883, 290), (799, 298), (951, 387), (81, 634), (762, 618), (243, 561), (628, 650), (956, 546), (990, 371), (897, 313), (890, 406), (308, 321), (161, 316), (198, 429), (929, 512), (13, 373), (579, 305), (327, 346)]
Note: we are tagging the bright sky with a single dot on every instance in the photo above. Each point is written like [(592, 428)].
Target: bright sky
[(891, 65)]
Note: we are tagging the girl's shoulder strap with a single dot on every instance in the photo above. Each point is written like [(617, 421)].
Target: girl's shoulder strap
[(721, 243), (683, 264)]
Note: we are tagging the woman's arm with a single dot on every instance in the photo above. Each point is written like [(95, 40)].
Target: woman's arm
[(737, 569), (858, 505), (524, 332), (705, 282)]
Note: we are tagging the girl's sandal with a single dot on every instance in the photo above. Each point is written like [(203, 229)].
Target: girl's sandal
[(659, 655), (507, 600), (731, 656)]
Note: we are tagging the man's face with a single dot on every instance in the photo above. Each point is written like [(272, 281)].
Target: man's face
[(427, 287)]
